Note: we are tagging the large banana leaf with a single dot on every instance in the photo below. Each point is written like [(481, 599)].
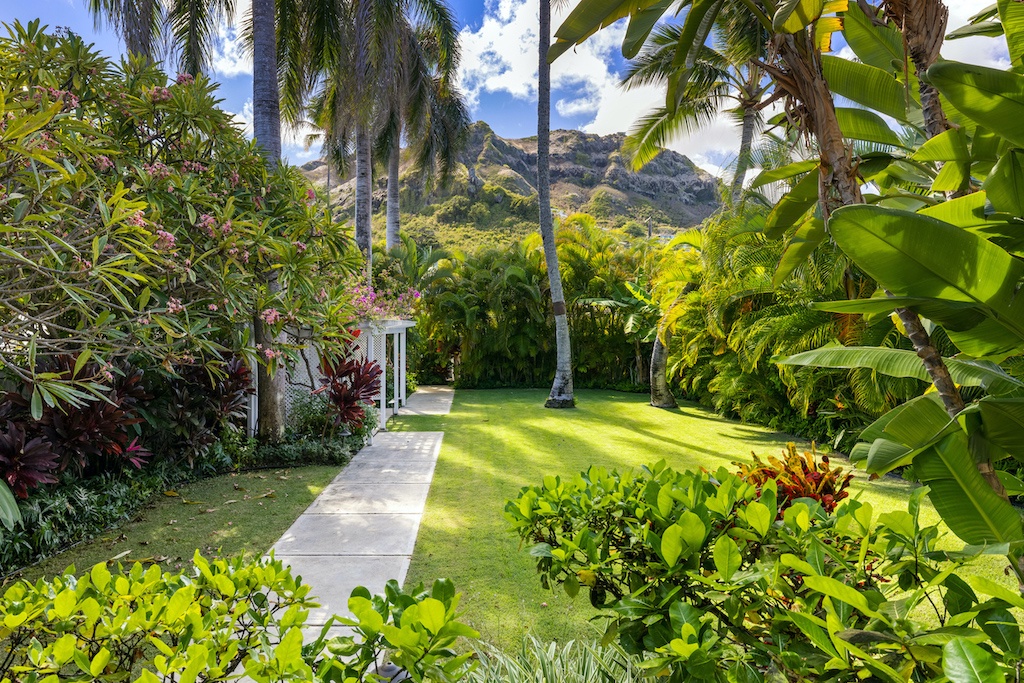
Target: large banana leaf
[(903, 363), (640, 26), (917, 256), (1005, 185), (867, 85), (921, 425), (993, 98), (795, 15), (966, 503), (1003, 420), (772, 175), (948, 146), (1011, 16), (861, 124), (879, 46), (585, 20), (793, 205), (876, 430)]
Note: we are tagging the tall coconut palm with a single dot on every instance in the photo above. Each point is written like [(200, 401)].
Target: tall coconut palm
[(561, 395), (716, 80), (188, 27), (424, 107), (267, 129), (350, 48)]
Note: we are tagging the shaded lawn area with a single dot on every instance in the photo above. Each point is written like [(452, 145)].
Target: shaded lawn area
[(225, 515), (497, 441)]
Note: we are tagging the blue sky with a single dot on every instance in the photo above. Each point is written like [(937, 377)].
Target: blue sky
[(498, 73)]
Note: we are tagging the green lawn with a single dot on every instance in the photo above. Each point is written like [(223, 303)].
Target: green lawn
[(224, 515), (498, 441)]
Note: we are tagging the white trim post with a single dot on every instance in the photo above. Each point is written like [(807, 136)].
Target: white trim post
[(402, 367)]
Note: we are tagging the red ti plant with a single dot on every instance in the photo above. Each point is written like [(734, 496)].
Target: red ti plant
[(349, 384), (25, 464)]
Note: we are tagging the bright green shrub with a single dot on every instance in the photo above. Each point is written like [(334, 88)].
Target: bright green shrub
[(142, 624), (416, 629), (221, 619), (694, 570)]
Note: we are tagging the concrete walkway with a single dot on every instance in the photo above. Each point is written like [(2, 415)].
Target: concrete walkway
[(361, 531), (429, 401)]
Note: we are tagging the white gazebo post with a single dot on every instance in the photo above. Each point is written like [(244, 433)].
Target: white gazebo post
[(401, 368), (378, 332)]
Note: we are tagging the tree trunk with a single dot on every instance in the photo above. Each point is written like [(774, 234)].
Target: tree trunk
[(138, 29), (266, 108), (661, 395), (267, 128), (923, 23), (394, 217), (743, 160), (364, 196), (561, 389), (330, 210), (839, 186)]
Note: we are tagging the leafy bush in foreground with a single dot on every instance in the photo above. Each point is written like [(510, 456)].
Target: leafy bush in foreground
[(698, 573), (221, 619)]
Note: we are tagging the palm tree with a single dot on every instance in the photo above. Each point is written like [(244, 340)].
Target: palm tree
[(425, 107), (561, 395), (193, 25), (714, 80), (347, 55)]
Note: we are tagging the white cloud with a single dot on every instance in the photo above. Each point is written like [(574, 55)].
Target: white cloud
[(977, 50), (292, 138), (229, 57)]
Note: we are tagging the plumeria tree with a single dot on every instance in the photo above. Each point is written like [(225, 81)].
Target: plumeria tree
[(138, 220)]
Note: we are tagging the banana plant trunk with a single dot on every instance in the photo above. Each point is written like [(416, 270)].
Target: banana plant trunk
[(924, 27), (267, 130), (743, 159), (561, 389), (840, 186), (364, 196), (393, 232)]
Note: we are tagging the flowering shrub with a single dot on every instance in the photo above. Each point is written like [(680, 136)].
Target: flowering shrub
[(158, 242), (370, 303)]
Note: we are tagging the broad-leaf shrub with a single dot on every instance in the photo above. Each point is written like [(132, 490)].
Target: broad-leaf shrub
[(695, 570), (219, 619), (417, 631)]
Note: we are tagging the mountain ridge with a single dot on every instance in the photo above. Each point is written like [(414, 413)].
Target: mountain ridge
[(494, 188)]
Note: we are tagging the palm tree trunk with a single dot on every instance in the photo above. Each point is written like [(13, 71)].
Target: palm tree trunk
[(138, 29), (746, 142), (267, 128), (661, 395), (394, 218), (924, 25), (561, 389), (364, 198)]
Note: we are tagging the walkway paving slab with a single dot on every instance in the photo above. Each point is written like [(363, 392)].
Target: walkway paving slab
[(429, 400), (351, 534), (358, 497), (389, 469), (361, 530), (334, 577)]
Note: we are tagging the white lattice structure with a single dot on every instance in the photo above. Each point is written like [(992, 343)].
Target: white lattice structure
[(381, 341)]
